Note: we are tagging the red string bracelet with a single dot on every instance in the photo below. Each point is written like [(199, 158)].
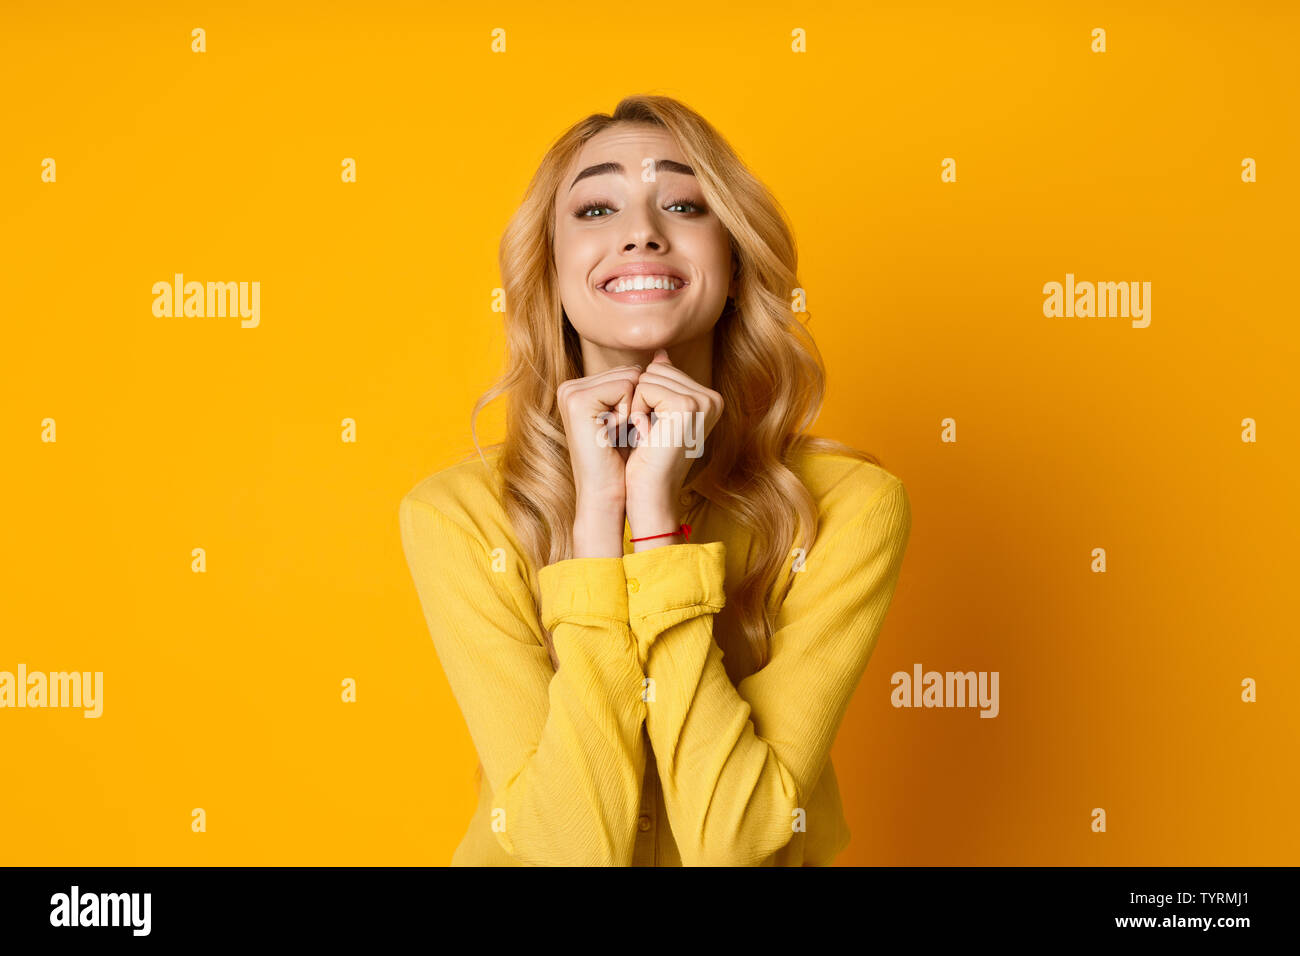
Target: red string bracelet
[(684, 530)]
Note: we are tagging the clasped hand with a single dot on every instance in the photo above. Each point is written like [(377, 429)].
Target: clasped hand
[(666, 416)]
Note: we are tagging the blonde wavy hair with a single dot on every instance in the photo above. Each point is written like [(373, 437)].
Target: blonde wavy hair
[(765, 365)]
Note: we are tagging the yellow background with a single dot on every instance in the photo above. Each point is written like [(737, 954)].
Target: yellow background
[(222, 690)]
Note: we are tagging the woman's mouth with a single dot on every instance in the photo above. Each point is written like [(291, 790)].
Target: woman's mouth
[(643, 288)]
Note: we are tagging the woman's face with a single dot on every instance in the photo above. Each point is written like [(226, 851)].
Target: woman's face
[(607, 220)]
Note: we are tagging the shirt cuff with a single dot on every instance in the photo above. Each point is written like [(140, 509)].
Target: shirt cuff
[(583, 588), (673, 583)]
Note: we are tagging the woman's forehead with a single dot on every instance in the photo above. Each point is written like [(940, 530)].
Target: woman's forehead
[(626, 138)]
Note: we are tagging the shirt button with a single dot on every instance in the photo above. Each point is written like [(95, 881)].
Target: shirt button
[(643, 823), (633, 585)]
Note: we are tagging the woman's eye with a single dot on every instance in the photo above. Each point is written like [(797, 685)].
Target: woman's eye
[(603, 207)]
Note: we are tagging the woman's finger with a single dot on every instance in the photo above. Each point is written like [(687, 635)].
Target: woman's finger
[(652, 396)]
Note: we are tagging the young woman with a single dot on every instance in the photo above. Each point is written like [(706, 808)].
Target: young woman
[(654, 600)]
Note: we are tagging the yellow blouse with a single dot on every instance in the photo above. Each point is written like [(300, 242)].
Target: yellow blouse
[(655, 743)]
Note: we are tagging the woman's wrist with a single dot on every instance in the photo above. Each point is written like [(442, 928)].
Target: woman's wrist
[(598, 530), (658, 541), (655, 518)]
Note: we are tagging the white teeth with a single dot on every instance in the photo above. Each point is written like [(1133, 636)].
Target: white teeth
[(629, 283)]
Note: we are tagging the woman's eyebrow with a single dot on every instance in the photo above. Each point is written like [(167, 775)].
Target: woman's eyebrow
[(661, 165)]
